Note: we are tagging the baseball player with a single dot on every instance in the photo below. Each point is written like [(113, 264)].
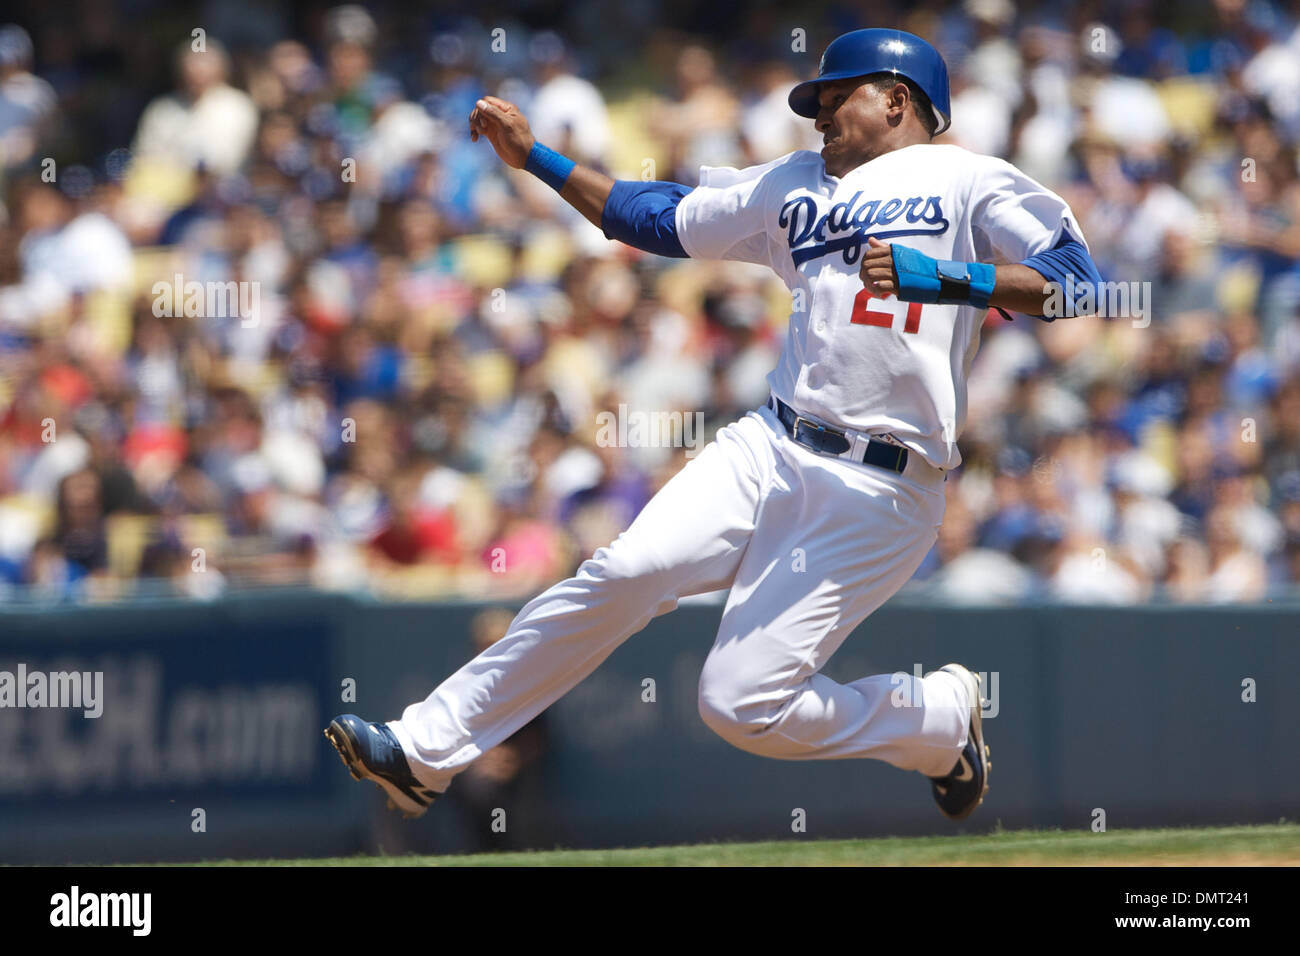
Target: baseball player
[(817, 507)]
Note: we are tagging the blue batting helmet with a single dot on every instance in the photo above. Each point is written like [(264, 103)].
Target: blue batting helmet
[(863, 52)]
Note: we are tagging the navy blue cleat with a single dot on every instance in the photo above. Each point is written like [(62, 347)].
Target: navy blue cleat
[(963, 789), (371, 752)]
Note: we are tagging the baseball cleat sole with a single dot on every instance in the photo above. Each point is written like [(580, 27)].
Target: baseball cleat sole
[(405, 794)]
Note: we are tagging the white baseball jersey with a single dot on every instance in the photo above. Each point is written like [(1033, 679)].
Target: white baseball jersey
[(879, 366)]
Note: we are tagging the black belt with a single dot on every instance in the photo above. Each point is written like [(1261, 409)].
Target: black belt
[(831, 441)]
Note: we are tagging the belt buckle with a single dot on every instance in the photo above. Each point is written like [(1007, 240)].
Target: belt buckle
[(820, 431), (815, 426)]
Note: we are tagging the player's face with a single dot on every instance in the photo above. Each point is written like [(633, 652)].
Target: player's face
[(853, 122)]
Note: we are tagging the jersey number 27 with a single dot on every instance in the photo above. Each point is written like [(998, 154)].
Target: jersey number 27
[(885, 320)]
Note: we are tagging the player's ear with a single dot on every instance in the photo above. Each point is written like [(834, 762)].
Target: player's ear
[(898, 100)]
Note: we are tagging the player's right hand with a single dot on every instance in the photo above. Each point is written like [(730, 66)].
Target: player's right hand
[(877, 270), (505, 128)]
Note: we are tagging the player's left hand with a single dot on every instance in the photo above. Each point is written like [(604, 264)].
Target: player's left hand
[(877, 270)]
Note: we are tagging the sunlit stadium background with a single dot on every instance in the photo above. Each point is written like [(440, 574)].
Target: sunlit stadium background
[(344, 472)]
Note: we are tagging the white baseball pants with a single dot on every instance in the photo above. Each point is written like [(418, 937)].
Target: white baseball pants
[(809, 544)]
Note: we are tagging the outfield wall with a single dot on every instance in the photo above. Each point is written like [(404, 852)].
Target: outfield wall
[(219, 707)]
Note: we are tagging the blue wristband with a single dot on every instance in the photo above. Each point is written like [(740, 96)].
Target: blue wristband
[(978, 278), (549, 166), (924, 279)]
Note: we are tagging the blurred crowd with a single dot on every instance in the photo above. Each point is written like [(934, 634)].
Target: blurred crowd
[(269, 318)]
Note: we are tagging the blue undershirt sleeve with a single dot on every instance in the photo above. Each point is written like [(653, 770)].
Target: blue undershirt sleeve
[(1069, 265), (644, 215)]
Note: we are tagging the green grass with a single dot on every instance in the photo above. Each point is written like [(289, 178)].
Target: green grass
[(1249, 845)]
